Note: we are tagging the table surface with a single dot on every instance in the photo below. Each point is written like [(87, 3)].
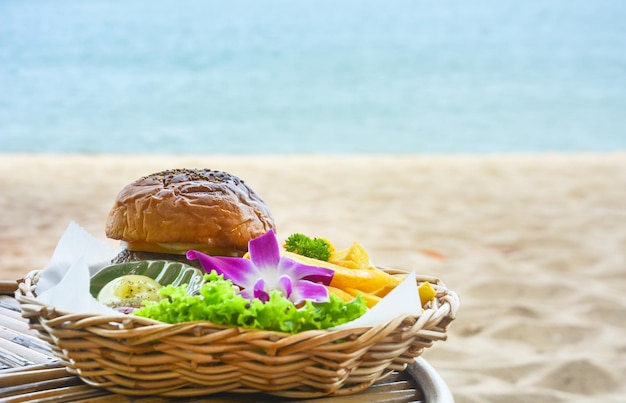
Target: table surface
[(30, 372)]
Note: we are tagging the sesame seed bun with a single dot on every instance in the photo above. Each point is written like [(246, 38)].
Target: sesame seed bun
[(181, 209)]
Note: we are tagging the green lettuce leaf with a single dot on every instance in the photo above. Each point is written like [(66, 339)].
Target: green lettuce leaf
[(219, 302)]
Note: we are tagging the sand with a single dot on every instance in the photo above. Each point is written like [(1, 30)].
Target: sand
[(534, 245)]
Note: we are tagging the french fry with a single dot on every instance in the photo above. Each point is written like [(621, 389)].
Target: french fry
[(345, 297), (427, 292), (370, 299), (354, 274)]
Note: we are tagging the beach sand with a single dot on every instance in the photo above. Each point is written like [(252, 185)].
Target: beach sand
[(535, 246)]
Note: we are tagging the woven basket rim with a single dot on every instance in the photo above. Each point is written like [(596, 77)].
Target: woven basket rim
[(28, 284)]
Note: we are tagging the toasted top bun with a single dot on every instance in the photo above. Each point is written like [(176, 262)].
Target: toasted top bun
[(181, 209)]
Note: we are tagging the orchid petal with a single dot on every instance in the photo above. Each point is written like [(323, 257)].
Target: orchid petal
[(267, 270), (259, 291), (247, 293), (304, 289), (240, 271), (285, 285), (301, 271), (264, 251)]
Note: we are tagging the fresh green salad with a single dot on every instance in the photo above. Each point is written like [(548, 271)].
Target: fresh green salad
[(219, 302)]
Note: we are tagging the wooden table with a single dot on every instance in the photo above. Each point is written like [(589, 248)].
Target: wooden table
[(30, 372)]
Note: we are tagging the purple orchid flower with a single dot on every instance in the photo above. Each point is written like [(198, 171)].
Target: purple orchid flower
[(267, 270)]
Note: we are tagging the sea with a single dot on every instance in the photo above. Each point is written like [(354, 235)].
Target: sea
[(312, 76)]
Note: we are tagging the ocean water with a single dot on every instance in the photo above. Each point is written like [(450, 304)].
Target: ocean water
[(278, 76)]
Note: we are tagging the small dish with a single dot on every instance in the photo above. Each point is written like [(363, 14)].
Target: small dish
[(162, 271)]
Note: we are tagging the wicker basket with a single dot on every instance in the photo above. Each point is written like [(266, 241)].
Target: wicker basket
[(138, 356)]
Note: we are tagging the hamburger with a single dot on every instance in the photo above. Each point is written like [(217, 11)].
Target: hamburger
[(163, 215)]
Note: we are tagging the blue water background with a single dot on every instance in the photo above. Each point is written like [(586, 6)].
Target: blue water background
[(484, 76)]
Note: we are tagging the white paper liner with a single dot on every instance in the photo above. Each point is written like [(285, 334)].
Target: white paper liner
[(403, 299), (64, 283)]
